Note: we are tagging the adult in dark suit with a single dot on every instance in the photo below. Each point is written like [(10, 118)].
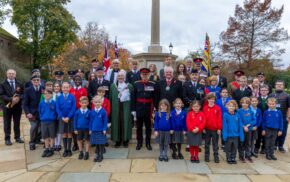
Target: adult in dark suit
[(95, 64), (243, 91), (133, 75), (98, 82), (34, 72), (167, 63), (169, 88), (192, 90), (261, 77), (11, 92), (30, 105), (222, 81)]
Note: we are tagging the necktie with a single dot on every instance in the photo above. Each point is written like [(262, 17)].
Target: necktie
[(12, 86), (223, 101), (168, 82), (65, 96), (100, 82)]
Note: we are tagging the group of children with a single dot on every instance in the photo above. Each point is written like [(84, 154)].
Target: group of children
[(238, 127)]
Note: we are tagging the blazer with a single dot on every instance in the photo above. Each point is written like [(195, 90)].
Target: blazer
[(94, 85), (31, 100), (191, 93), (6, 92)]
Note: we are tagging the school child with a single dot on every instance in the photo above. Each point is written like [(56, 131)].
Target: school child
[(58, 136), (81, 127), (77, 91), (98, 128), (233, 131), (258, 116), (213, 86), (195, 123), (249, 121), (47, 114), (213, 126), (101, 91), (163, 128), (272, 126), (48, 86), (179, 128), (65, 107)]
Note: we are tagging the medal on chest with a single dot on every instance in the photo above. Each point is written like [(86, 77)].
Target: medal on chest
[(167, 88)]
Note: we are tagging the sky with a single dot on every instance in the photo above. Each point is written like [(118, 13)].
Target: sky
[(182, 22)]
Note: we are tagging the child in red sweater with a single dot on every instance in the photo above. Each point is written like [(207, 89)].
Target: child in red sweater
[(195, 122), (213, 126), (106, 103)]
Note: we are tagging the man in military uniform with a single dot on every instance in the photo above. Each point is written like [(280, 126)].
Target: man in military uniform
[(143, 99), (133, 75), (58, 76), (197, 66), (192, 90), (71, 75), (222, 81), (234, 85)]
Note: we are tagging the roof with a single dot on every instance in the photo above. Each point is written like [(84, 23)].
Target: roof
[(7, 35)]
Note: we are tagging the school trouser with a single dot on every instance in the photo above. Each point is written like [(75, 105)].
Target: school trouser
[(281, 139), (260, 142), (245, 147), (147, 122), (211, 136), (231, 147), (270, 138), (8, 114)]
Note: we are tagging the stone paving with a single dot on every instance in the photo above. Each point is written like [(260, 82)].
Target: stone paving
[(17, 163)]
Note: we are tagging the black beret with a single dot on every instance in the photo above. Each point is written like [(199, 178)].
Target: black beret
[(34, 70), (34, 76), (239, 73), (261, 73), (194, 71), (58, 73), (100, 68), (214, 67), (71, 73)]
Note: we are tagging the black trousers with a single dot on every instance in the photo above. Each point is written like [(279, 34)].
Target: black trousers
[(260, 142), (270, 138), (211, 136), (8, 114), (147, 122), (231, 147), (245, 148)]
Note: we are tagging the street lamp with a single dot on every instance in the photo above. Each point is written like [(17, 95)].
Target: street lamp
[(170, 47)]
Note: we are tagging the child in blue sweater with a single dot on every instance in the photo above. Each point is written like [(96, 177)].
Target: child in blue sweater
[(258, 116), (65, 107), (233, 131), (98, 127), (163, 128), (178, 117), (81, 127), (272, 125), (47, 114), (249, 121)]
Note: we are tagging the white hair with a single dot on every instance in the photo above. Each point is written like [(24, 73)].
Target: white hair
[(122, 72), (189, 60), (116, 61), (168, 68)]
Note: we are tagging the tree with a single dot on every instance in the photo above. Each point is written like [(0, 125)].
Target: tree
[(44, 27), (4, 11), (253, 33)]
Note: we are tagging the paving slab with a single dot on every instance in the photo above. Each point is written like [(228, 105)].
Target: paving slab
[(49, 177), (75, 165), (12, 165), (143, 153), (224, 168), (39, 164), (11, 154), (263, 168), (228, 178), (113, 165), (172, 166), (264, 178), (143, 166), (86, 177), (285, 178), (7, 175), (201, 168), (53, 166), (27, 177), (116, 153), (34, 156), (280, 165)]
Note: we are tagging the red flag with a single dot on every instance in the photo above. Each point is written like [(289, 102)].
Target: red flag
[(106, 60)]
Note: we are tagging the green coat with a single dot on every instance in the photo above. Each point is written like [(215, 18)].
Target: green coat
[(114, 100)]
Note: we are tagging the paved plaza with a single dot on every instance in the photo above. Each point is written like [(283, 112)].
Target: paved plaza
[(17, 163)]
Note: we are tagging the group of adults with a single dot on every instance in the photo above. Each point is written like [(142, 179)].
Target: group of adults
[(135, 94)]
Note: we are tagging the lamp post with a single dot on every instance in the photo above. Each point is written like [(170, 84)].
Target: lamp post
[(170, 47)]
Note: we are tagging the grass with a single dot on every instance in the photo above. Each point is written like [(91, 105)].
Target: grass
[(1, 113)]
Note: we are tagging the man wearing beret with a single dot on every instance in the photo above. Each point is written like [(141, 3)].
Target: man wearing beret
[(197, 66), (35, 72), (222, 81), (58, 76), (98, 82), (95, 64), (143, 101), (71, 75), (234, 85), (261, 77)]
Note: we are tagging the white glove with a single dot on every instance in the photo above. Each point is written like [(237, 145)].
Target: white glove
[(134, 115)]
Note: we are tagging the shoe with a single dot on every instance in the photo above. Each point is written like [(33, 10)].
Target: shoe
[(262, 151), (216, 160), (86, 157), (268, 157), (223, 147), (32, 146), (180, 156), (58, 148), (187, 149), (139, 146), (282, 150), (81, 155), (254, 155), (19, 140), (273, 157), (160, 158), (242, 159), (148, 146), (101, 158), (118, 144), (65, 153), (44, 153), (174, 156), (104, 151), (249, 159), (125, 144), (206, 159), (234, 161), (192, 159), (256, 151), (229, 161), (8, 142), (96, 159), (75, 148), (197, 160), (165, 159), (69, 153), (49, 153), (107, 144)]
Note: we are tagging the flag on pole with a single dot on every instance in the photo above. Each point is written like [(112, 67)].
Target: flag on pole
[(206, 63), (106, 60), (116, 48)]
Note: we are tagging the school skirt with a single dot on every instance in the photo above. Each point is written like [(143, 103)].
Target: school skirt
[(178, 137), (66, 127), (98, 138), (163, 137), (194, 139)]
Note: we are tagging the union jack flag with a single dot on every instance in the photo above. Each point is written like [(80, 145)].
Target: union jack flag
[(106, 60)]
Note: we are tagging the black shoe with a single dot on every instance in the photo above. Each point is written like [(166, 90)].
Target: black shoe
[(262, 151), (69, 153), (282, 150), (216, 160), (254, 155), (101, 158), (180, 156), (148, 146), (273, 157), (192, 159), (19, 140), (139, 146), (97, 158), (65, 153), (8, 142), (174, 156), (32, 146), (49, 153), (165, 159), (75, 148), (268, 157), (242, 159), (234, 161), (126, 144), (44, 153), (160, 158), (206, 159), (86, 157), (187, 149), (58, 148), (197, 160), (229, 161), (107, 144), (249, 159), (118, 144), (81, 155)]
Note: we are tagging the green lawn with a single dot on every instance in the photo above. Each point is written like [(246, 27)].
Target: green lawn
[(1, 113)]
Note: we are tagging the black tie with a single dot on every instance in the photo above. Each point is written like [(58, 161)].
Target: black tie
[(12, 86), (100, 82)]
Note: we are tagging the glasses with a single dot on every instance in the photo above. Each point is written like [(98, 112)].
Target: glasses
[(36, 80), (264, 90)]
